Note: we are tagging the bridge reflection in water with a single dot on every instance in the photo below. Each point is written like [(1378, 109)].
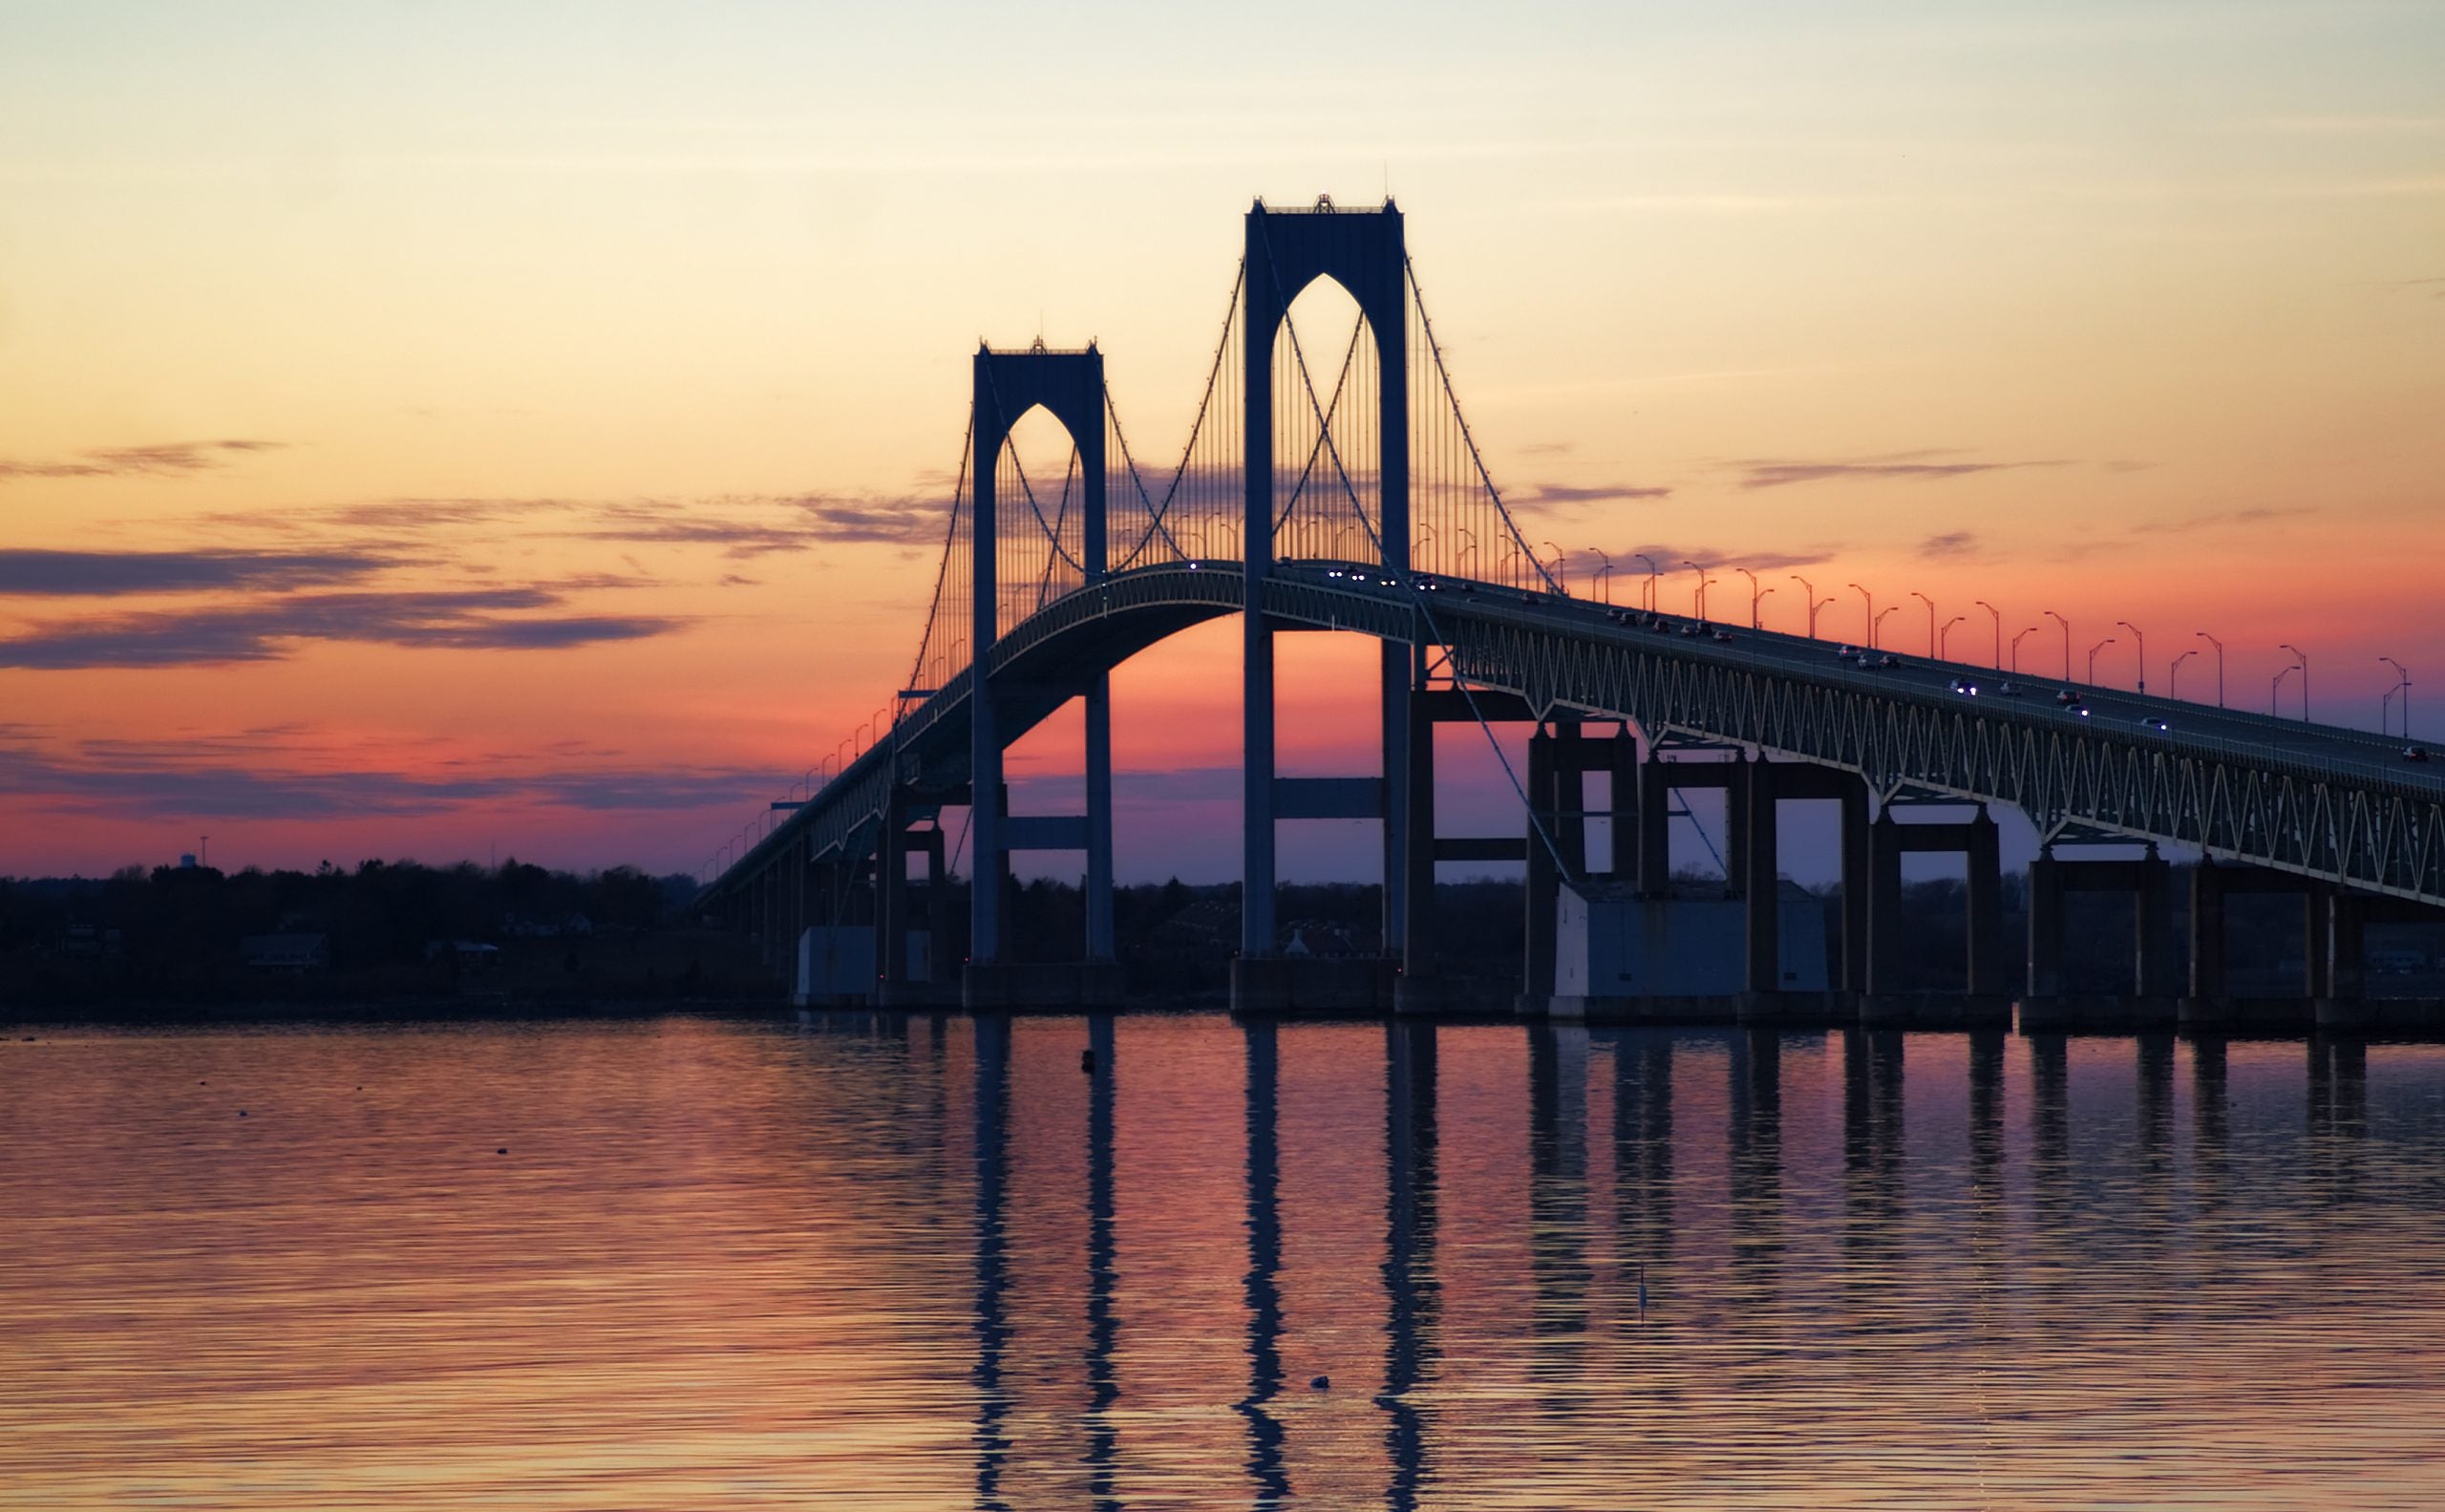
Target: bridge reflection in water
[(1770, 1266)]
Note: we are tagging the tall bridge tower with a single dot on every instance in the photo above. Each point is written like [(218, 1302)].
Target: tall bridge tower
[(1363, 251)]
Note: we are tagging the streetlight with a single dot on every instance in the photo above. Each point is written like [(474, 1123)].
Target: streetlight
[(1944, 637), (1605, 574), (2220, 666), (2016, 649), (2275, 685), (1753, 594), (1755, 622), (1810, 589), (2305, 679), (1814, 605), (1653, 572), (1561, 577), (1931, 620), (2143, 639), (2403, 688), (1468, 553), (2067, 642), (2172, 674), (1702, 587), (1999, 631), (2093, 658), (1876, 627), (1871, 614)]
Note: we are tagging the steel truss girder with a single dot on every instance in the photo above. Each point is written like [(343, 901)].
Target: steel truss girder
[(2263, 809)]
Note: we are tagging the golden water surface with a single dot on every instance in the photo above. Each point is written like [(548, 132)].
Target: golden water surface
[(932, 1262)]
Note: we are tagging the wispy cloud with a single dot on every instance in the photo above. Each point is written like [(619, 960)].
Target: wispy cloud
[(165, 459), (486, 619), (1952, 543), (1669, 559), (1918, 466), (2221, 518), (1565, 495), (97, 574), (269, 780)]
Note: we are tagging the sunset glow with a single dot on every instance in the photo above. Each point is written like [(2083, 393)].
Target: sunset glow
[(441, 430)]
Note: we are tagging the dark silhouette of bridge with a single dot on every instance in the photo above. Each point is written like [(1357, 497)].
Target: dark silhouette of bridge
[(1343, 490)]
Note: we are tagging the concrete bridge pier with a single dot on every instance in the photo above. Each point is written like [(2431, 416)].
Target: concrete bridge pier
[(1985, 1000), (2343, 998), (1757, 793), (2151, 1003), (2331, 984)]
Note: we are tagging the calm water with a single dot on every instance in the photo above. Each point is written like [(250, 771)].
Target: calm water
[(928, 1261)]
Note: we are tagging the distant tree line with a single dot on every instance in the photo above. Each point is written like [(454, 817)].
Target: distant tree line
[(182, 930)]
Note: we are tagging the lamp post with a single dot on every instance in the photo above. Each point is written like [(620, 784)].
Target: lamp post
[(1467, 553), (1809, 590), (1999, 631), (2067, 642), (1753, 594), (1605, 574), (2093, 658), (1932, 621), (1755, 622), (2172, 674), (1814, 605), (2276, 684), (1561, 575), (1944, 637), (1876, 627), (1871, 614), (2143, 639), (1702, 587), (2220, 666), (2305, 679), (2403, 688), (2016, 648), (1653, 573)]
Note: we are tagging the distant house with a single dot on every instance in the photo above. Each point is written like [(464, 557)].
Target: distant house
[(299, 953)]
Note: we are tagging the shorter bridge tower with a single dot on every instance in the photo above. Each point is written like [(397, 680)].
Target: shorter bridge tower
[(1070, 387)]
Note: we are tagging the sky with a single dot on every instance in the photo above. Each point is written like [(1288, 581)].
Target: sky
[(451, 431)]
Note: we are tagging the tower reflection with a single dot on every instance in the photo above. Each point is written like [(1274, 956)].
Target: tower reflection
[(992, 1141), (1412, 1294), (1104, 1269), (1262, 1286)]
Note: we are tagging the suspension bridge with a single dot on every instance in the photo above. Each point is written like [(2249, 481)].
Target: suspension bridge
[(1341, 489)]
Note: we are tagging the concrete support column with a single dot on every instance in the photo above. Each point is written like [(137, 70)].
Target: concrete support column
[(1987, 978), (938, 914), (1395, 679), (2314, 939), (1655, 827), (1855, 886), (2346, 947), (2152, 929), (1099, 937), (1416, 941), (1761, 901), (1735, 827), (891, 896), (1569, 802), (1537, 976), (1624, 805), (1884, 905), (2046, 925), (2207, 933)]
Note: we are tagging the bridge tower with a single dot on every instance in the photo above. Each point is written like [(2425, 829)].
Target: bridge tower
[(1070, 387), (1365, 252)]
